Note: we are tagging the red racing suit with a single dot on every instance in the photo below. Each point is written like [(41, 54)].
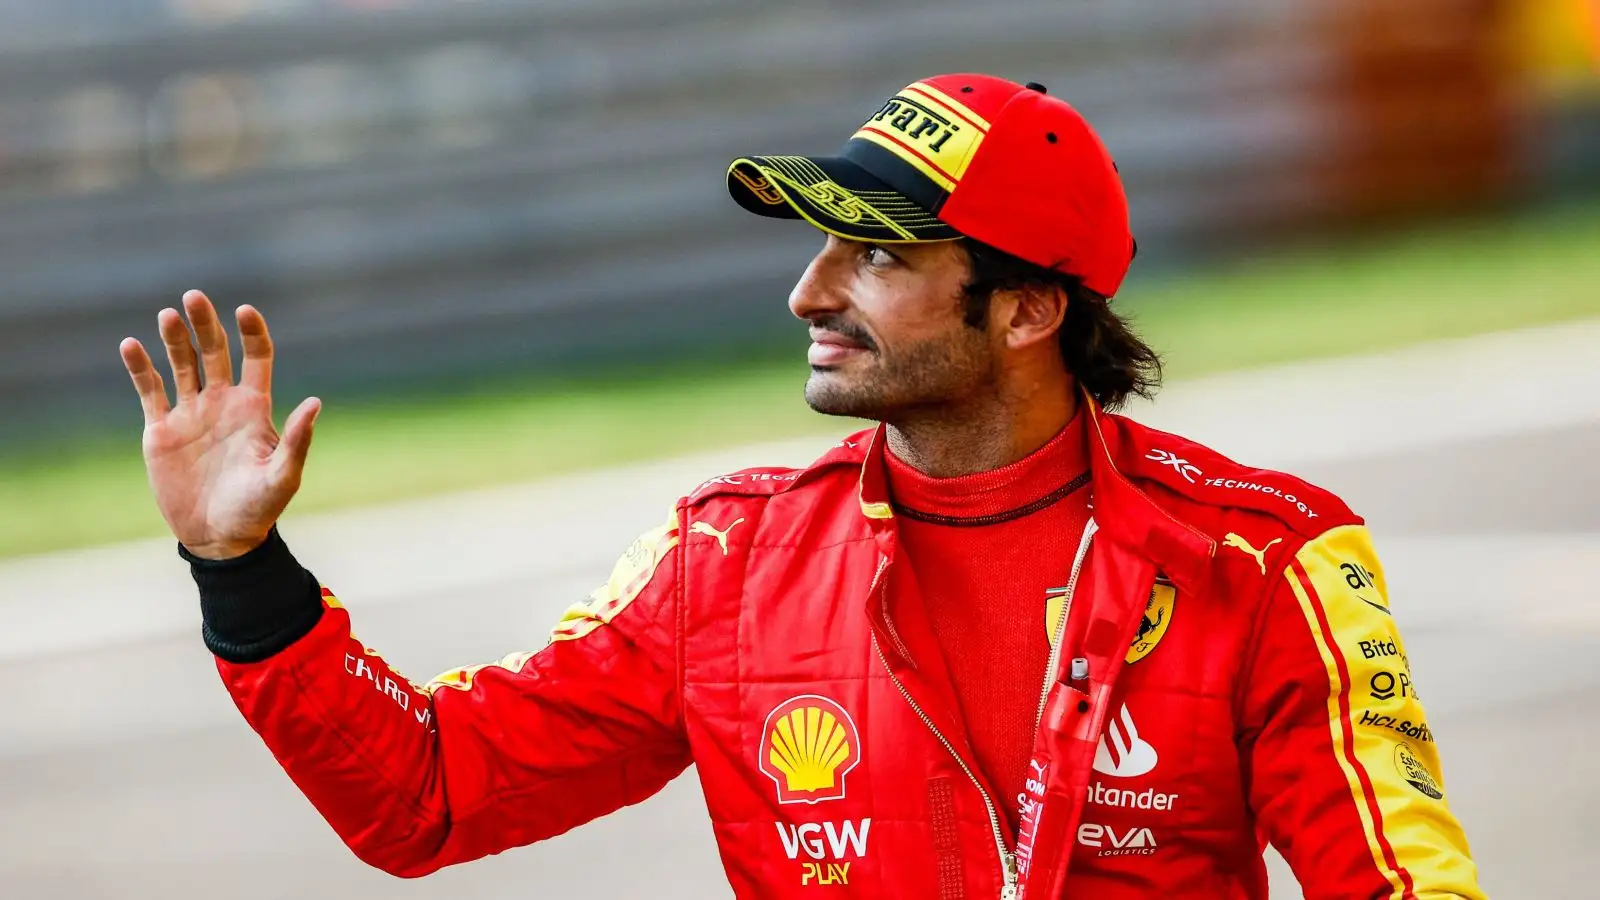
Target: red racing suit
[(1225, 672)]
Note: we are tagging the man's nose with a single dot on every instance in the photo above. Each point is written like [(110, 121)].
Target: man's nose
[(819, 291)]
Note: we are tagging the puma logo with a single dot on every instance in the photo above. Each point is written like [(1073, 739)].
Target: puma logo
[(1233, 540), (721, 536)]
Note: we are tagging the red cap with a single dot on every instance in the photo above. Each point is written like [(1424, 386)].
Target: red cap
[(962, 156)]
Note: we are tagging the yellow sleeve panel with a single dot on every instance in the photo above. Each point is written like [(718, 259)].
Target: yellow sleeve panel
[(1375, 719)]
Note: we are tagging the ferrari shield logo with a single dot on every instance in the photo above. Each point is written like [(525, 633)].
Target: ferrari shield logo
[(1157, 618)]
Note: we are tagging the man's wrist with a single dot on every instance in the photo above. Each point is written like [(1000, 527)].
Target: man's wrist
[(222, 552), (257, 603)]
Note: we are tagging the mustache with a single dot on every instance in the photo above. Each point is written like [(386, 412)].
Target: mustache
[(845, 329)]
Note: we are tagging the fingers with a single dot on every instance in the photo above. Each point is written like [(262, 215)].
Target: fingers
[(146, 380), (180, 353), (290, 455), (256, 370), (213, 340)]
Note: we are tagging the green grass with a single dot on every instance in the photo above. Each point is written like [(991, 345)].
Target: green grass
[(1378, 294), (1355, 297)]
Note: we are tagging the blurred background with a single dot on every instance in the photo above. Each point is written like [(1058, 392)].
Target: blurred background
[(493, 235), (415, 191)]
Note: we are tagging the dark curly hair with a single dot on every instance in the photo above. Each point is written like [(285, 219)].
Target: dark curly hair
[(1098, 346)]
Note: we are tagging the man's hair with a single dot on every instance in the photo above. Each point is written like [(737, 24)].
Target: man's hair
[(1098, 346)]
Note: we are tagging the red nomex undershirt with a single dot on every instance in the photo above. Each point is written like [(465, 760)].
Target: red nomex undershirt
[(981, 551)]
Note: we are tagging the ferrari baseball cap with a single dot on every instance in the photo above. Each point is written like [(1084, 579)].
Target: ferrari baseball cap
[(962, 156)]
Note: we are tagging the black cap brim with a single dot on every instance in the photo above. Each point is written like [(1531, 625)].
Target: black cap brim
[(834, 194)]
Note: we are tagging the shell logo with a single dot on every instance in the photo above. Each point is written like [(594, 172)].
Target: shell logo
[(808, 745)]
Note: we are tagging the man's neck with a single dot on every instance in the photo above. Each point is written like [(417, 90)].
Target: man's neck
[(985, 433)]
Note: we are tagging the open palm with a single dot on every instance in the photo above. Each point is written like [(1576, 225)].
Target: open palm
[(220, 471)]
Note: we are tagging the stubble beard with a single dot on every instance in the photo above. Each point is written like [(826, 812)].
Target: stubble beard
[(918, 378)]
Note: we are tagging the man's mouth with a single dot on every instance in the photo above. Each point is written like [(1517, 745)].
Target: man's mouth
[(830, 348)]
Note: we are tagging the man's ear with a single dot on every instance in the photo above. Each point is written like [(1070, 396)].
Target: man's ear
[(1036, 315)]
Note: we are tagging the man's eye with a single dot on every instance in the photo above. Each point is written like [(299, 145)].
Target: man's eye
[(877, 256)]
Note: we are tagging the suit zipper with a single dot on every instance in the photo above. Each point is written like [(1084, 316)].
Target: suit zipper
[(1060, 630), (1008, 860)]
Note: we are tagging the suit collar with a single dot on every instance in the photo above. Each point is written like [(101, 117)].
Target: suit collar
[(1126, 515)]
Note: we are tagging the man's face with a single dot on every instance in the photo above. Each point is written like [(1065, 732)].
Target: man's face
[(887, 329)]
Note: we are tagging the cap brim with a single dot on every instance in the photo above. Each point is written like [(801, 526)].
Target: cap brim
[(834, 194)]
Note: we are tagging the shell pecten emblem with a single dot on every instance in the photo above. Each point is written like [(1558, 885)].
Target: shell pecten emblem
[(808, 745)]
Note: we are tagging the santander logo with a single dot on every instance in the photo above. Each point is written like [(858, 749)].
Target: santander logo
[(1122, 754)]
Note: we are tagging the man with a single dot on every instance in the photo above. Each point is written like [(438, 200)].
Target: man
[(1004, 644)]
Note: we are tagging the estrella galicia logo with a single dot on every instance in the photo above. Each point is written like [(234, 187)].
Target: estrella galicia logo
[(1415, 772)]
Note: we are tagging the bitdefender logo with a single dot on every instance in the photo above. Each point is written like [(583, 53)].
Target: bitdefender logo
[(1122, 753)]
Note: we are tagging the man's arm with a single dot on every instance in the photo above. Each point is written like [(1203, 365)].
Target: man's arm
[(1344, 773), (482, 759), (413, 777)]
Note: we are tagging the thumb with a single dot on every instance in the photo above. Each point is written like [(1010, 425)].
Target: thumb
[(289, 457)]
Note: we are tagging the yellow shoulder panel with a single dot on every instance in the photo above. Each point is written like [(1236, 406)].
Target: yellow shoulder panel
[(633, 571), (629, 577)]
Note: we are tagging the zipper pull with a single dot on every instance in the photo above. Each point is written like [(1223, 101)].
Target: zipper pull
[(1008, 861)]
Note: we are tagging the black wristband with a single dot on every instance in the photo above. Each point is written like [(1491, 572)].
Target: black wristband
[(255, 605)]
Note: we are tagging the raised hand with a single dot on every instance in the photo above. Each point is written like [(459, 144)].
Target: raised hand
[(221, 473)]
